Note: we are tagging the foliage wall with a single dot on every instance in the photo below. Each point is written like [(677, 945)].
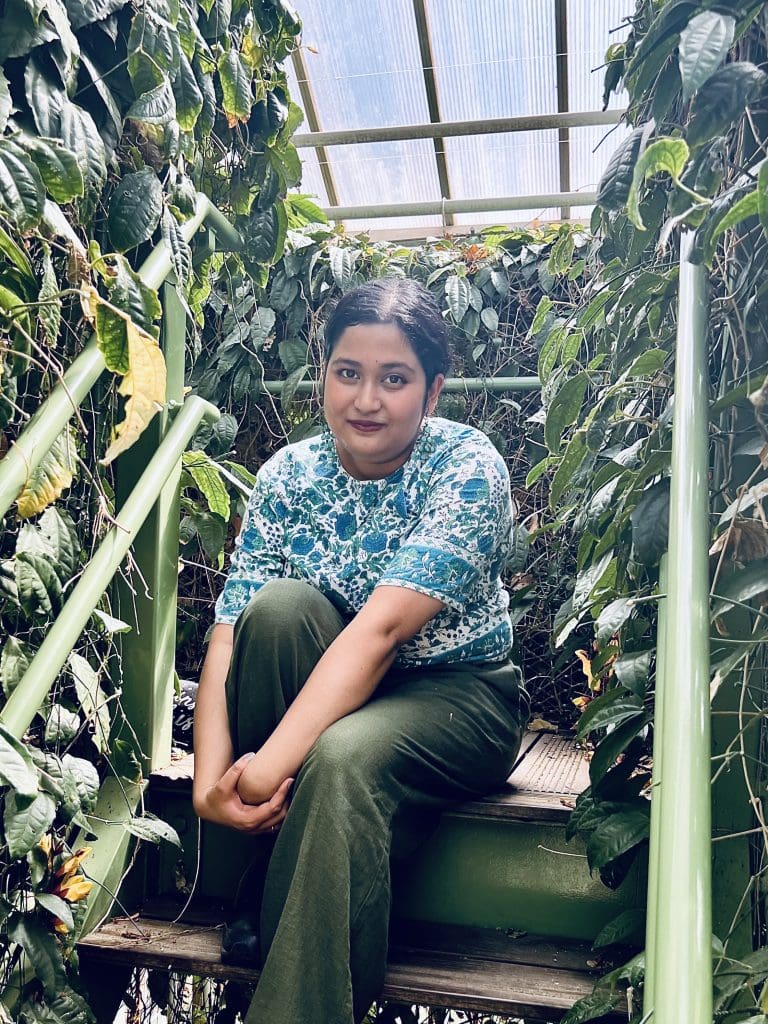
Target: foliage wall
[(113, 115)]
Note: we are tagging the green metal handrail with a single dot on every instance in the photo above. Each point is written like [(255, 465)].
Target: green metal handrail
[(33, 443), (23, 703), (680, 938), (453, 385)]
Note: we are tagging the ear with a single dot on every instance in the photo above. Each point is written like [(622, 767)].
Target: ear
[(433, 394)]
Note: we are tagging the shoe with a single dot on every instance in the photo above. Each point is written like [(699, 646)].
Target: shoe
[(240, 945)]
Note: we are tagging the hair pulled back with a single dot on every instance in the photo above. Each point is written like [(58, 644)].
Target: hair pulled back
[(399, 301)]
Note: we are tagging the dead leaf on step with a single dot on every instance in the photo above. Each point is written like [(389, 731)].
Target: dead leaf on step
[(541, 725)]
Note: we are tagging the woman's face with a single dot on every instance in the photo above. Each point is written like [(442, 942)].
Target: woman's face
[(375, 399)]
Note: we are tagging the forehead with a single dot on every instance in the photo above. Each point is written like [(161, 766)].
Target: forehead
[(382, 343)]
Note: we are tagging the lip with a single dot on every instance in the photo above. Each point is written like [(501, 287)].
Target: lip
[(365, 426)]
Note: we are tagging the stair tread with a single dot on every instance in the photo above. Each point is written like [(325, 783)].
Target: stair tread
[(470, 968), (549, 774)]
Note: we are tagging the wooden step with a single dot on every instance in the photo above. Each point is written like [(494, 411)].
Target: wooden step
[(440, 966), (549, 774)]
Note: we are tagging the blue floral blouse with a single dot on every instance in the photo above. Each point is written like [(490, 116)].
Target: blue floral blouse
[(439, 525)]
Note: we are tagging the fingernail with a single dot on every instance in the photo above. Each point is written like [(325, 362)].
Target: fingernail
[(248, 756)]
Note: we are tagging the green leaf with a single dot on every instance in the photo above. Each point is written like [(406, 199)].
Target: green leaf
[(140, 303), (266, 234), (212, 532), (153, 51), (588, 580), (457, 293), (85, 778), (704, 44), (627, 928), (39, 587), (747, 206), (111, 624), (135, 209), (613, 744), (45, 94), (181, 254), (596, 1004), (58, 167), (189, 98), (51, 478), (721, 101), (561, 256), (342, 264), (14, 662), (79, 134), (17, 769), (610, 709), (540, 316), (6, 104), (650, 524), (616, 835), (41, 949), (262, 326), (614, 186), (158, 106), (665, 155), (25, 826), (490, 319), (574, 456), (205, 474), (86, 12), (60, 535), (49, 309), (564, 410), (632, 671), (550, 352), (291, 383), (612, 618), (648, 363), (302, 211), (742, 586), (21, 188), (61, 725), (57, 907), (235, 78), (153, 830)]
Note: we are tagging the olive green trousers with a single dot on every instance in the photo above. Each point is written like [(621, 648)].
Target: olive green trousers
[(371, 787)]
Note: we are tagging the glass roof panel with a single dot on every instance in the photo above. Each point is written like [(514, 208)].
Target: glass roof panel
[(592, 28), (367, 69), (485, 66)]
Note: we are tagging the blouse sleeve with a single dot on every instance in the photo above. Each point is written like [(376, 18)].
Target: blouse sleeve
[(461, 539), (258, 555)]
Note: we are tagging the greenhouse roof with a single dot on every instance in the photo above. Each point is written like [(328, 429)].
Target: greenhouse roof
[(441, 103)]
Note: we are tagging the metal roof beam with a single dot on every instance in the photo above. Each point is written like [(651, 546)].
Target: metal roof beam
[(433, 103), (450, 129), (563, 99), (449, 206), (308, 102)]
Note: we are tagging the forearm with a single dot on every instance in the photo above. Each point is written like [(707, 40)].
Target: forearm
[(343, 680), (212, 740)]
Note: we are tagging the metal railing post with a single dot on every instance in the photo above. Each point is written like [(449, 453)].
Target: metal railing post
[(682, 966)]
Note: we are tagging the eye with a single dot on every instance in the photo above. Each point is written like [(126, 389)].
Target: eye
[(394, 379), (346, 373)]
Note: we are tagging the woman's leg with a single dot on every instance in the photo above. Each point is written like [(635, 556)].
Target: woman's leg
[(425, 741)]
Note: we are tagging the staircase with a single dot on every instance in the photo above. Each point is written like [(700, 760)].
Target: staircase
[(495, 914)]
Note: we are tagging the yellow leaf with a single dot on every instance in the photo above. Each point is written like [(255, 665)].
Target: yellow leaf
[(51, 478), (144, 387), (72, 864), (541, 725), (586, 665), (89, 300)]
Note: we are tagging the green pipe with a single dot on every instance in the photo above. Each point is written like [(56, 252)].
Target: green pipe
[(25, 455), (453, 385), (652, 902), (452, 129), (23, 704), (446, 206), (682, 971)]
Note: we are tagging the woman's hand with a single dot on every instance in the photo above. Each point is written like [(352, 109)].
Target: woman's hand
[(222, 804)]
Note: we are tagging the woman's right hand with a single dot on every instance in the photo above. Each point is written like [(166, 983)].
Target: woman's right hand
[(221, 803)]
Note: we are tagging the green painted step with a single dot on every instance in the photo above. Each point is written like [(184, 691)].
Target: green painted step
[(500, 862)]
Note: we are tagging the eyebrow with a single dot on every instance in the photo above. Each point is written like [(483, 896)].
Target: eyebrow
[(383, 366)]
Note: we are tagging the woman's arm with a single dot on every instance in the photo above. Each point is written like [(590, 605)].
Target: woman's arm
[(214, 788), (342, 681)]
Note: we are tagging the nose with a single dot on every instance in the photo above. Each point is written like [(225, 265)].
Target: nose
[(367, 397)]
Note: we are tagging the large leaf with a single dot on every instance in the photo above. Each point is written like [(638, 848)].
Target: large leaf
[(60, 535), (21, 187), (51, 478), (41, 949), (458, 291), (49, 298), (724, 219), (79, 134), (22, 29), (235, 78), (85, 12), (616, 835), (721, 101), (45, 94), (153, 51), (189, 97), (632, 671), (610, 709), (85, 779), (616, 181), (61, 725), (704, 43), (342, 264), (564, 410), (6, 103), (571, 462), (135, 209), (17, 769), (39, 587), (612, 618), (144, 387), (207, 478), (742, 586), (152, 829), (650, 524), (666, 155), (25, 825), (92, 698), (137, 302), (158, 106), (58, 167), (613, 745), (14, 662), (627, 928), (181, 254), (266, 234), (56, 906)]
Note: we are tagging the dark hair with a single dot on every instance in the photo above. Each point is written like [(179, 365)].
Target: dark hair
[(399, 301)]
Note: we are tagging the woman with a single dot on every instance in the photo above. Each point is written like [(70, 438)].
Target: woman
[(360, 660)]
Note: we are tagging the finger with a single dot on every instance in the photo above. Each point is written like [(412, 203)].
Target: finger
[(261, 824)]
